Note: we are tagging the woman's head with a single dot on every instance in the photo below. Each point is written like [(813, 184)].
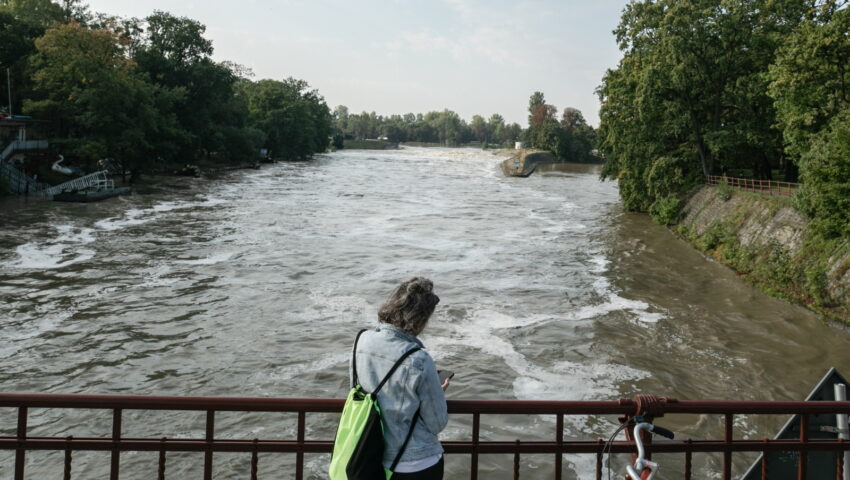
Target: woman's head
[(410, 305)]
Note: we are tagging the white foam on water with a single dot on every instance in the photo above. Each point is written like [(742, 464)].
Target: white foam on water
[(339, 309), (130, 218), (155, 276), (46, 321), (325, 362), (602, 286), (562, 381), (61, 251), (211, 260), (140, 216)]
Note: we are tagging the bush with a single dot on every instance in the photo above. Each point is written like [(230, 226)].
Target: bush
[(825, 170), (666, 210), (724, 191)]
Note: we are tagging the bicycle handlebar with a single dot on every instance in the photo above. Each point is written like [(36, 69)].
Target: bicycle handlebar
[(662, 431), (641, 463)]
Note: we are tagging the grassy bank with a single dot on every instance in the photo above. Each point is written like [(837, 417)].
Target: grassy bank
[(770, 244)]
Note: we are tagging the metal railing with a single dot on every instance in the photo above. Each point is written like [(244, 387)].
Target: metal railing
[(22, 145), (18, 181), (770, 187), (647, 405), (96, 179)]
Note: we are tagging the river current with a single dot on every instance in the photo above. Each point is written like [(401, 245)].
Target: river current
[(255, 284)]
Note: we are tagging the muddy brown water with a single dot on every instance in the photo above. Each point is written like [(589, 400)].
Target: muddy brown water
[(254, 285)]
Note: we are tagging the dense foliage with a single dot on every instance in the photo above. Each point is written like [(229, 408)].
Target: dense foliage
[(146, 94), (444, 128), (571, 140), (723, 87), (810, 83)]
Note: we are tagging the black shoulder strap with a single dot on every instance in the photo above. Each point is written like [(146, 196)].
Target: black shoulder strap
[(354, 359), (392, 370), (406, 439)]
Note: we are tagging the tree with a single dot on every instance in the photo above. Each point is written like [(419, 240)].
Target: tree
[(92, 96), (340, 116), (534, 102), (295, 120), (177, 58), (689, 96), (810, 84), (479, 128)]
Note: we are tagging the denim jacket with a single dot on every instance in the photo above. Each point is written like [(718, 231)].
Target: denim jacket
[(415, 384)]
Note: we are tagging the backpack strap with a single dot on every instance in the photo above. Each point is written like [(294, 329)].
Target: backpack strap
[(354, 359), (406, 439), (395, 366)]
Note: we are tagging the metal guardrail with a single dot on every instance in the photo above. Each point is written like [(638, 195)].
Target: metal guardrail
[(770, 187), (96, 179), (18, 181), (22, 145), (647, 405)]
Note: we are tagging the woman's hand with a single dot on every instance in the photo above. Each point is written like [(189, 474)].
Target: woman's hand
[(445, 384)]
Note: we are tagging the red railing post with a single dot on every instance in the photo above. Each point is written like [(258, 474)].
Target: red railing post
[(764, 461), (727, 448), (559, 439), (299, 456), (21, 453), (115, 464), (516, 461), (160, 472), (802, 459), (208, 453), (600, 448), (254, 460), (476, 424), (66, 475)]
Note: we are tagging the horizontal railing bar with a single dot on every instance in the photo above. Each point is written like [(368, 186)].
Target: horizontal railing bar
[(326, 405), (141, 402), (457, 447)]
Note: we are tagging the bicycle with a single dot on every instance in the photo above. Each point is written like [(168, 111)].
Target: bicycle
[(643, 469)]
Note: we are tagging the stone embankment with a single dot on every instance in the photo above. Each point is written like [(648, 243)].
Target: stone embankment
[(768, 242), (524, 162)]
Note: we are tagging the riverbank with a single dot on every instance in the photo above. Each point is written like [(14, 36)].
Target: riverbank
[(767, 242)]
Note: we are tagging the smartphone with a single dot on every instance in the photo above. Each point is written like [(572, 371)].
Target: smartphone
[(445, 375)]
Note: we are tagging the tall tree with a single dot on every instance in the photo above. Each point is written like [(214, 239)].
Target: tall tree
[(95, 102), (811, 85)]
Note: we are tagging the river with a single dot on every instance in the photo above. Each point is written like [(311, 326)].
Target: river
[(255, 284)]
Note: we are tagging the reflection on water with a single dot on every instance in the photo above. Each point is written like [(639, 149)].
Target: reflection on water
[(255, 286)]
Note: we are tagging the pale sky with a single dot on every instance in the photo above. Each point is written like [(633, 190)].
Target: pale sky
[(398, 56)]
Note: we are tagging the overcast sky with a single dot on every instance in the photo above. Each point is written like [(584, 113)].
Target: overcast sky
[(398, 56)]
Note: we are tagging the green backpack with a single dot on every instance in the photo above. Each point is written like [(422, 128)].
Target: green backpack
[(359, 446)]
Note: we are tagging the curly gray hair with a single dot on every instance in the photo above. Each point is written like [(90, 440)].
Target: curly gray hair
[(410, 305)]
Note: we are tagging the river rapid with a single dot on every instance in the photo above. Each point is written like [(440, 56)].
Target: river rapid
[(255, 284)]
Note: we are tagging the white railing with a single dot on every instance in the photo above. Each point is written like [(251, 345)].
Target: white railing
[(18, 145), (96, 179)]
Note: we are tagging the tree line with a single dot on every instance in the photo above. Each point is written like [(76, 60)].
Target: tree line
[(755, 88), (444, 128), (571, 139), (145, 94)]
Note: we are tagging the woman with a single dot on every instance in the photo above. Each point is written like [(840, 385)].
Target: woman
[(415, 385)]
